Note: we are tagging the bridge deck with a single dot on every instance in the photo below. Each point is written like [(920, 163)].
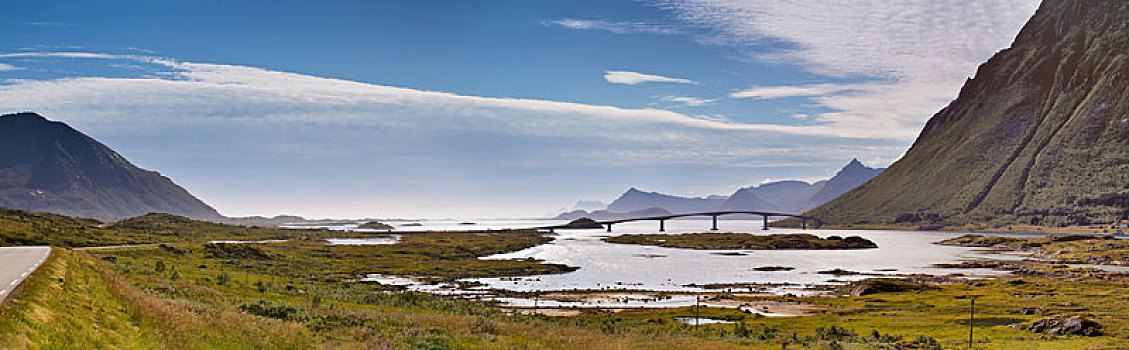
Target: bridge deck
[(714, 214)]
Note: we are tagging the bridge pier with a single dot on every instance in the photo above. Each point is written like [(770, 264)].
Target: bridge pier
[(714, 223), (765, 222), (805, 223), (662, 225), (609, 227)]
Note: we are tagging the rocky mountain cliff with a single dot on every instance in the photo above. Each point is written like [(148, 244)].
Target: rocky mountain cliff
[(1039, 136), (47, 166)]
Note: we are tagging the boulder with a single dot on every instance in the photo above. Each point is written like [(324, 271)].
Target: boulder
[(1066, 325)]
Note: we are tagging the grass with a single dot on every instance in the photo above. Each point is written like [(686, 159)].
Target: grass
[(744, 241), (305, 294), (18, 227), (1062, 249)]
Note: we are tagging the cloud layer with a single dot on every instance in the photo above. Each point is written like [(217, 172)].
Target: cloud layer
[(189, 119), (913, 55), (611, 27), (635, 78)]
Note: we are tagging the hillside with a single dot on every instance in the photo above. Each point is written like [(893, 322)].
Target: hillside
[(634, 200), (1039, 136), (18, 227), (48, 166)]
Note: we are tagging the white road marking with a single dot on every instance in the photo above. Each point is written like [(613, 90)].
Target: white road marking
[(14, 254)]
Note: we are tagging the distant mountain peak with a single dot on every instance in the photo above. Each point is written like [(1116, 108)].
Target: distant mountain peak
[(854, 166), (24, 116)]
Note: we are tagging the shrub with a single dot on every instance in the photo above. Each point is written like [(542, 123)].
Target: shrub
[(270, 309)]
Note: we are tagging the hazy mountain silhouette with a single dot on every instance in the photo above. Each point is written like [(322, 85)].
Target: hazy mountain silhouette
[(47, 166), (782, 196)]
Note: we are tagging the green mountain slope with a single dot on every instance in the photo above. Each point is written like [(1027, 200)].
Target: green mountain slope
[(1039, 136)]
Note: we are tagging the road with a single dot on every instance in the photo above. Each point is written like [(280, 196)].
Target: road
[(16, 263)]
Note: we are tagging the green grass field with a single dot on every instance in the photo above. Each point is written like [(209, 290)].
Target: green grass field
[(305, 294)]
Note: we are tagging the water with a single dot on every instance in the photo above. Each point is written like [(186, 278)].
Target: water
[(390, 239), (701, 320), (607, 266), (621, 266)]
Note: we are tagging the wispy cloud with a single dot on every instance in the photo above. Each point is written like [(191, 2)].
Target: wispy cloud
[(47, 24), (612, 27), (635, 78), (918, 51), (64, 54), (687, 101), (769, 92), (230, 91), (7, 67)]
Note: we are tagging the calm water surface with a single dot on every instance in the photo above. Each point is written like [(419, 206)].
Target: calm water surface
[(623, 266), (614, 266)]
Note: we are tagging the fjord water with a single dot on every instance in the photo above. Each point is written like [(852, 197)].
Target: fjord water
[(623, 266)]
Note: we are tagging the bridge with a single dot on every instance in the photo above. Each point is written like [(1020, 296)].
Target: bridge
[(713, 214)]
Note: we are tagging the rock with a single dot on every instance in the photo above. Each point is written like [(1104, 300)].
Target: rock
[(1031, 311), (884, 285), (774, 268), (838, 272), (375, 225), (1066, 325), (584, 223), (974, 264)]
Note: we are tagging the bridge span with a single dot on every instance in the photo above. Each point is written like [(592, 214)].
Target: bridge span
[(713, 214)]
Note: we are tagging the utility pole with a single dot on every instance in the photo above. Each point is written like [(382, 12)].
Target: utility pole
[(697, 310), (971, 319)]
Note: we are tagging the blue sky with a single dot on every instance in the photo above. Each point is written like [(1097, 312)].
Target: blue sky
[(491, 109)]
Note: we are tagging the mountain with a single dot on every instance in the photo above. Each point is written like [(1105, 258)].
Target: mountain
[(589, 205), (609, 215), (780, 196), (634, 200), (851, 176), (1039, 136), (799, 196), (747, 199), (47, 166)]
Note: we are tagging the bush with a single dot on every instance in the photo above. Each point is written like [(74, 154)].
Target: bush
[(270, 309), (834, 332)]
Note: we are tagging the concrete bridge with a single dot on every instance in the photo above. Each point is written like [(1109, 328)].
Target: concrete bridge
[(713, 214)]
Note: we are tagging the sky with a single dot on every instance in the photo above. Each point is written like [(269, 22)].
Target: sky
[(491, 109)]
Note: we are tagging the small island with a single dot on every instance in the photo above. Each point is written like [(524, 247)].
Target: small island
[(744, 241), (375, 225)]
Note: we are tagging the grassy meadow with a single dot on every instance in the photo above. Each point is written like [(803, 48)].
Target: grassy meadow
[(303, 293)]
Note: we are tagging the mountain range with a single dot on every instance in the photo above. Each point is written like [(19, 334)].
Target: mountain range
[(47, 166), (782, 197), (1039, 136)]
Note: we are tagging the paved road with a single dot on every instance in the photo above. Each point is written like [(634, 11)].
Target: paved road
[(16, 263)]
